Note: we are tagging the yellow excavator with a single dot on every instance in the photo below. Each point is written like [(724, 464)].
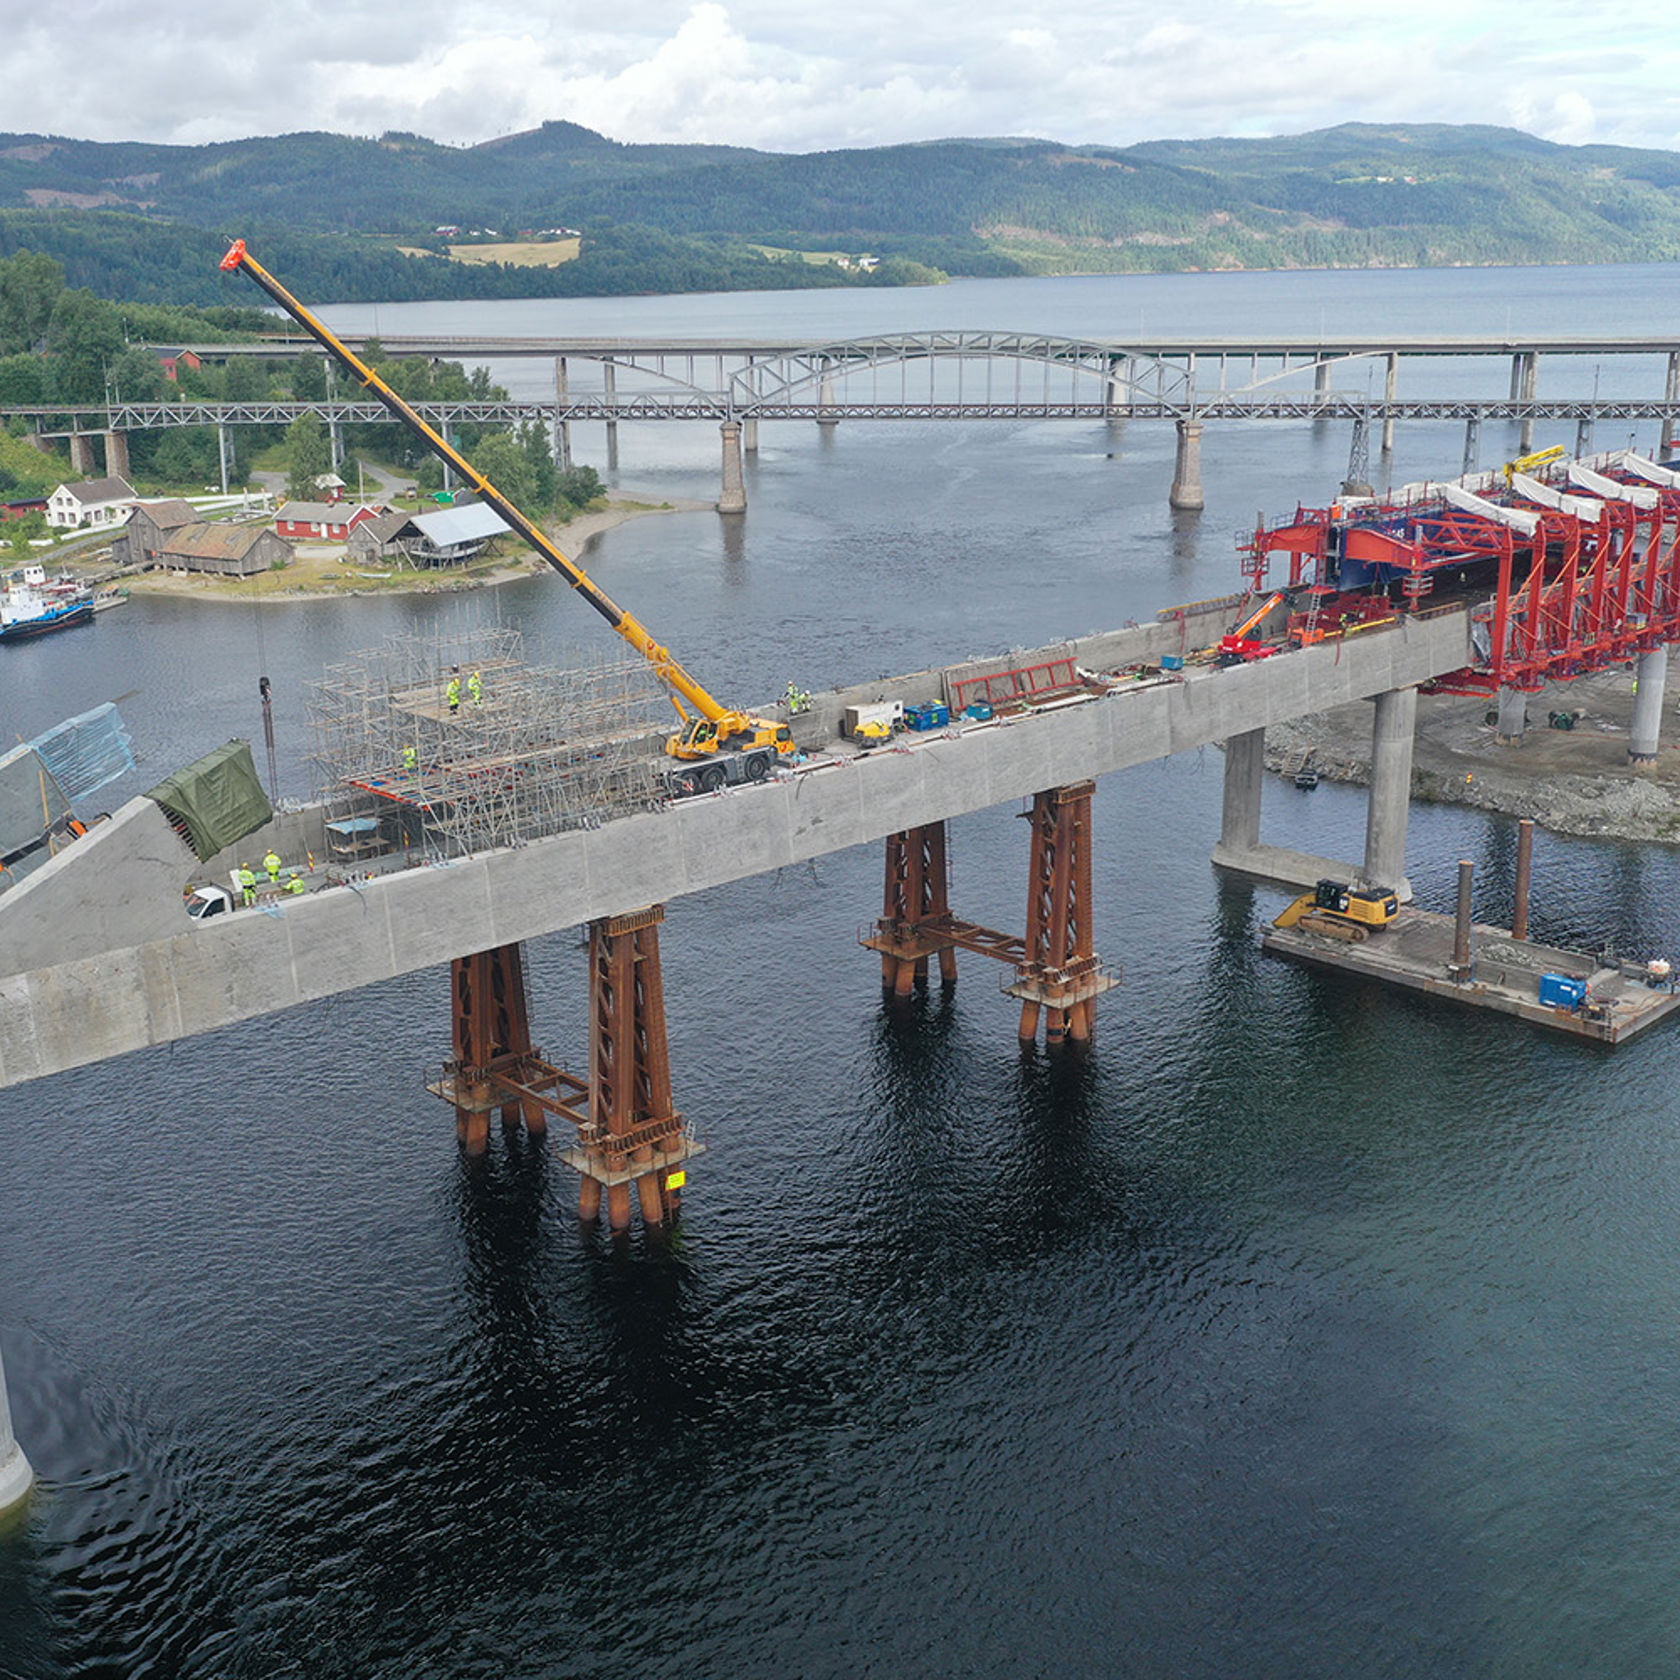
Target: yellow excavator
[(1339, 911), (721, 744)]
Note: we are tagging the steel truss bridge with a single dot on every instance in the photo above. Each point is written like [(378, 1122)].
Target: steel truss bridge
[(945, 376)]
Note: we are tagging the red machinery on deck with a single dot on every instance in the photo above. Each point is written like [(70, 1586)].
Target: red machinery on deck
[(1567, 570)]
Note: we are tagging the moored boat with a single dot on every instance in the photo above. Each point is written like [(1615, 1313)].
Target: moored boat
[(30, 607)]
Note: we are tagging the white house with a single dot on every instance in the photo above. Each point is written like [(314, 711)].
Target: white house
[(99, 501)]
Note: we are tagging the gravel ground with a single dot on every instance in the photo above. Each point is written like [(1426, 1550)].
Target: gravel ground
[(1571, 782)]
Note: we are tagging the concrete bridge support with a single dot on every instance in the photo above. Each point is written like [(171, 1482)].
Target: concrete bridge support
[(1117, 395), (1186, 490), (16, 1477), (1650, 678), (562, 427), (1245, 775), (749, 436), (1386, 812), (1671, 394), (1391, 388), (609, 374), (1525, 382), (116, 455), (222, 452), (733, 498), (81, 452), (825, 399), (1513, 717), (1321, 381)]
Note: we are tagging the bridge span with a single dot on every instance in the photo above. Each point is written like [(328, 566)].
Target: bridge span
[(943, 375), (96, 958)]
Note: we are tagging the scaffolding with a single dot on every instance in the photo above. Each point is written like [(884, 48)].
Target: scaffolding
[(458, 743)]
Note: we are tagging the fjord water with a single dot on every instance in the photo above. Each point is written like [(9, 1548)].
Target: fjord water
[(1300, 1329)]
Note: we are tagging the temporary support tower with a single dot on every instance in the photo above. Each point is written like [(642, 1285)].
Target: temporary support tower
[(1056, 967)]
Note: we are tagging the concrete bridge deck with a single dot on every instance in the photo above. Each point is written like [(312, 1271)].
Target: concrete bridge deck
[(96, 957)]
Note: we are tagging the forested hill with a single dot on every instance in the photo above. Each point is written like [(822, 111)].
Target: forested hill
[(335, 212)]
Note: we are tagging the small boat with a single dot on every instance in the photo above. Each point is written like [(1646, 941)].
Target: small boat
[(1306, 780), (29, 606)]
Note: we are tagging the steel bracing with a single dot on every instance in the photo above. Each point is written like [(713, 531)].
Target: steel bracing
[(1570, 567)]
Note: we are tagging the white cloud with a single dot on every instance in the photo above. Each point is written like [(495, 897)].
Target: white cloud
[(800, 75)]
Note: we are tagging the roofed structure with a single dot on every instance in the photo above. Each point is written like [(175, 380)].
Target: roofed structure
[(229, 550)]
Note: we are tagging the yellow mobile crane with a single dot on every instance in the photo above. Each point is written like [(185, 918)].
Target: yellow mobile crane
[(728, 745)]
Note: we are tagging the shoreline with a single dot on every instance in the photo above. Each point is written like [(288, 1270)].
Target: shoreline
[(1573, 782), (325, 565)]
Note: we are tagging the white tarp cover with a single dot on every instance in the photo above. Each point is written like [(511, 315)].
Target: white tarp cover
[(1577, 507), (1641, 495)]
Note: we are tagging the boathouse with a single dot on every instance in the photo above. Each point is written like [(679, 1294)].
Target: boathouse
[(228, 550)]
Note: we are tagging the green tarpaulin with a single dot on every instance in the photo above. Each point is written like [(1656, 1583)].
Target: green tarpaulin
[(218, 800)]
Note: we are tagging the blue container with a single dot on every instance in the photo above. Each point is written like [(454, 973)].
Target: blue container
[(1172, 661), (979, 710), (1562, 991), (931, 714)]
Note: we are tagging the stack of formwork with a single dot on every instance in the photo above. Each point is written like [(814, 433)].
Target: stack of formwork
[(525, 750)]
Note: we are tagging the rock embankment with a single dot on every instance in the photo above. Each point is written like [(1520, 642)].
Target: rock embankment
[(1575, 781)]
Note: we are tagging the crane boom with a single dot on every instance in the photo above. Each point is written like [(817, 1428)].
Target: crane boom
[(665, 664)]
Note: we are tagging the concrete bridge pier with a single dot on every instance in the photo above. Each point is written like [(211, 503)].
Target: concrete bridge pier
[(609, 373), (1650, 678), (749, 436), (1671, 393), (1525, 382), (1389, 803), (116, 455), (335, 443), (562, 426), (16, 1476), (222, 452), (1513, 717), (1391, 388), (81, 452), (1321, 381), (1186, 492), (825, 399), (1117, 394), (1245, 780), (733, 498)]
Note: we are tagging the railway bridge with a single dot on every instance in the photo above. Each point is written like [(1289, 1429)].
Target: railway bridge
[(965, 375)]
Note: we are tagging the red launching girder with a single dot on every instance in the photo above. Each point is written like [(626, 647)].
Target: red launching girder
[(1572, 595)]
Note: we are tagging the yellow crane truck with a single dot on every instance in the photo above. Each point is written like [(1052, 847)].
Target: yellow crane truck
[(717, 744), (1340, 911)]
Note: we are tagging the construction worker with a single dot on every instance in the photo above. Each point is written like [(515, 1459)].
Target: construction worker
[(297, 884), (272, 864), (247, 880), (411, 758), (475, 687), (453, 693)]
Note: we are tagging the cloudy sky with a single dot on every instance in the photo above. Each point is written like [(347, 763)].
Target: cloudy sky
[(803, 75)]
